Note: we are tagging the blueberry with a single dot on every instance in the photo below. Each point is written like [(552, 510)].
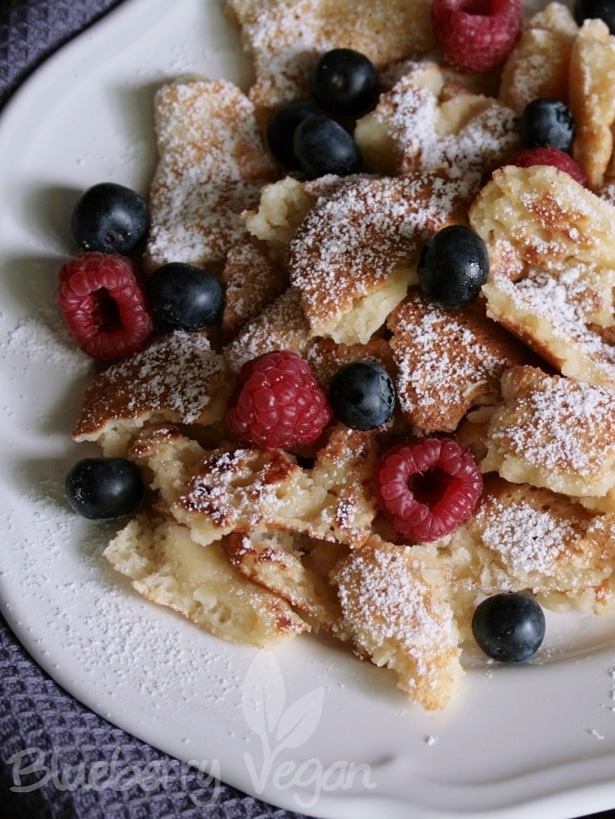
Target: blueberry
[(322, 146), (110, 218), (453, 266), (547, 123), (344, 82), (362, 395), (595, 9), (282, 126), (509, 627), (185, 297), (104, 488)]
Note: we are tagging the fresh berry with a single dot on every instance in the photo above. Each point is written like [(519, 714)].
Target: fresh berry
[(104, 488), (595, 10), (550, 156), (427, 488), (509, 627), (110, 218), (323, 147), (104, 305), (476, 35), (278, 403), (282, 126), (344, 82), (547, 123), (185, 297), (453, 266), (362, 395)]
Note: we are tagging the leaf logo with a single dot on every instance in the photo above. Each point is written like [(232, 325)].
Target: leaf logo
[(263, 703)]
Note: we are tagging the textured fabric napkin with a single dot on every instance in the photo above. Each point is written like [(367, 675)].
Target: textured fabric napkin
[(49, 742)]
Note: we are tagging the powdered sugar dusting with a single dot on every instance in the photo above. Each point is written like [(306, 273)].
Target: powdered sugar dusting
[(280, 326), (530, 539), (211, 168), (416, 119), (559, 424), (438, 371), (385, 592), (550, 300), (43, 336), (173, 375)]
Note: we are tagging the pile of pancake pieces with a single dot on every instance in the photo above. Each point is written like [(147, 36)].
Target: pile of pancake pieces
[(259, 546)]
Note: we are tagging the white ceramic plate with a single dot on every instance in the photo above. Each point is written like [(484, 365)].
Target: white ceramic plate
[(309, 728)]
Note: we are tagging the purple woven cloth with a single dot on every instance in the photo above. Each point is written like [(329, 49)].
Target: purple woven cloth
[(42, 728)]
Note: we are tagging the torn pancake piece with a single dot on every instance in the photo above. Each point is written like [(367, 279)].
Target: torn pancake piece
[(284, 38), (356, 251), (448, 361), (395, 603), (178, 378), (552, 267), (245, 488), (554, 432), (425, 122), (295, 567), (167, 567), (211, 167), (525, 537)]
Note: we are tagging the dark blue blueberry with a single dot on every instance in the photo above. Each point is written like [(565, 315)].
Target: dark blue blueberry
[(509, 627), (344, 83), (110, 218), (282, 126), (453, 266), (104, 488), (322, 147), (362, 395), (185, 297), (547, 123), (595, 9)]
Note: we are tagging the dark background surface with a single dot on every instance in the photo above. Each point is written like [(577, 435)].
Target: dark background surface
[(34, 711)]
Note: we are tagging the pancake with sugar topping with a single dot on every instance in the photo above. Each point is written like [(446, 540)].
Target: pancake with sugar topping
[(253, 280), (282, 325), (211, 167), (552, 267), (447, 360), (591, 100), (355, 254), (554, 432), (538, 66), (249, 489), (178, 378), (524, 537), (167, 567), (284, 38), (395, 603), (426, 122)]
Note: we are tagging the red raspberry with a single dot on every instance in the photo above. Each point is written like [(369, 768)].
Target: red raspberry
[(476, 35), (550, 156), (103, 305), (428, 488), (278, 403)]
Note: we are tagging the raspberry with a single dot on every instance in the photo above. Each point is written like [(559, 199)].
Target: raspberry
[(476, 35), (428, 488), (103, 305), (278, 403), (550, 156)]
